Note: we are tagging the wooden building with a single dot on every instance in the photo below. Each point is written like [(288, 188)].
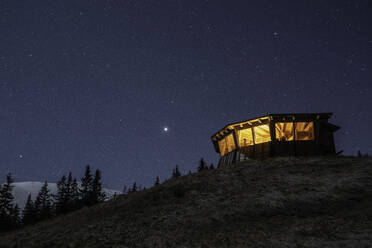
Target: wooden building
[(275, 135)]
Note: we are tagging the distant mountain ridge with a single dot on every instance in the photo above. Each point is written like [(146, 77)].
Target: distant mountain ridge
[(279, 202), (21, 191)]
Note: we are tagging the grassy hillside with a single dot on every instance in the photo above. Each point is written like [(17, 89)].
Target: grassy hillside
[(281, 202)]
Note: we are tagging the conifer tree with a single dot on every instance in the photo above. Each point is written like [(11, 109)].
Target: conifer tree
[(43, 203), (74, 202), (86, 187), (359, 154), (68, 185), (176, 172), (28, 213), (15, 217), (69, 192), (211, 167), (72, 193), (62, 196), (157, 181), (6, 197), (202, 165), (134, 187), (6, 204), (97, 193)]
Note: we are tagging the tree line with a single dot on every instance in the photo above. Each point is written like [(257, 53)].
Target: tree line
[(202, 166), (70, 196)]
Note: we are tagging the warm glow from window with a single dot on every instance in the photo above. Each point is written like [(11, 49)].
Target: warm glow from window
[(227, 144), (304, 130), (230, 142), (284, 131), (245, 137), (262, 134), (223, 147)]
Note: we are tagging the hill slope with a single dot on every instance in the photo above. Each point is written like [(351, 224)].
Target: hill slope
[(306, 202)]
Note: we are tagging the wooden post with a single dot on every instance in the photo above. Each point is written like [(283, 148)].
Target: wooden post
[(273, 137), (316, 138), (254, 142)]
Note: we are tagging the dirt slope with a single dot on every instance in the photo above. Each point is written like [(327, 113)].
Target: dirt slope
[(281, 202)]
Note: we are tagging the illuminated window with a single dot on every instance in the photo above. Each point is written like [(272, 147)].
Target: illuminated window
[(226, 144), (223, 147), (304, 130), (284, 131), (230, 142), (261, 134), (245, 137)]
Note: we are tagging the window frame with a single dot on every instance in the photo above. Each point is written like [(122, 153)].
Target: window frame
[(312, 131), (255, 137), (293, 138), (233, 142), (224, 152), (238, 136)]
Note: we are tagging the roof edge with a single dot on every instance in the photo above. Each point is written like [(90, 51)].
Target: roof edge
[(324, 114)]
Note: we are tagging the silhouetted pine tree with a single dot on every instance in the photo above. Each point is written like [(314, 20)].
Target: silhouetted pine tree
[(72, 193), (6, 204), (15, 217), (69, 181), (202, 165), (69, 198), (211, 167), (86, 187), (176, 172), (157, 181), (43, 203), (134, 188), (29, 212), (359, 154), (74, 198), (98, 195), (62, 197)]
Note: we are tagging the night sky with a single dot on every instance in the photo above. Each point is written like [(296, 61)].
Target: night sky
[(97, 82)]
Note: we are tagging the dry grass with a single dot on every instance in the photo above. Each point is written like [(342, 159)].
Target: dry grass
[(281, 202)]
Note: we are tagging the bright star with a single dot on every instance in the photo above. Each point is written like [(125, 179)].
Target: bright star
[(165, 129)]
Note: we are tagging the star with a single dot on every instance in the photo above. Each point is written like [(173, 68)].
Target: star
[(20, 156), (165, 129)]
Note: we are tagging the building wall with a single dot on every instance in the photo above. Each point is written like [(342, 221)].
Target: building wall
[(322, 142)]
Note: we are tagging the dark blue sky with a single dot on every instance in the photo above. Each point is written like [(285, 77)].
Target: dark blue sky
[(95, 82)]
